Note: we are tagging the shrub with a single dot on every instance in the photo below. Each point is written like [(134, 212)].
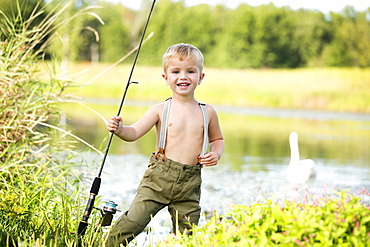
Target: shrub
[(329, 221)]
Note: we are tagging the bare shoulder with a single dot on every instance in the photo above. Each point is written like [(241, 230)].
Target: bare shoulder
[(156, 108), (211, 111), (153, 113)]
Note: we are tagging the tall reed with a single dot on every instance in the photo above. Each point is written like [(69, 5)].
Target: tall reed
[(38, 190)]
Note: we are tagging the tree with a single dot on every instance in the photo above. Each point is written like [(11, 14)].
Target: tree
[(245, 37), (69, 39), (312, 34), (167, 25), (274, 33), (350, 45), (239, 38), (114, 34)]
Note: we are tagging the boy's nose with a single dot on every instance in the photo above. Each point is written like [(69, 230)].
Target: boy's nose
[(183, 76)]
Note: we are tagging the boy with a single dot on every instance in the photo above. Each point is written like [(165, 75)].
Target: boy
[(184, 126)]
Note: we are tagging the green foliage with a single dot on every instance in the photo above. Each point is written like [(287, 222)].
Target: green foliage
[(330, 221), (263, 36), (34, 202), (312, 35), (11, 8), (114, 34), (23, 98), (37, 186), (351, 39), (245, 37), (73, 35)]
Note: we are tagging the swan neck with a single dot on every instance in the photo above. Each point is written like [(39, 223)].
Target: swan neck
[(294, 150)]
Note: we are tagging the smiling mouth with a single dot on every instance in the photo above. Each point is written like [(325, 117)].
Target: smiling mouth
[(183, 84)]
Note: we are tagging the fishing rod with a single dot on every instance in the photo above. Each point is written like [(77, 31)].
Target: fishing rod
[(97, 181)]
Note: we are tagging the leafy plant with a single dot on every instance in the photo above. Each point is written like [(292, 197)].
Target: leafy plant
[(341, 220)]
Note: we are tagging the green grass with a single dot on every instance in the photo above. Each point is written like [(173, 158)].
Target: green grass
[(39, 186), (333, 89)]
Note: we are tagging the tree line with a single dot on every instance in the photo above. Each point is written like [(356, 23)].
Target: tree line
[(266, 36)]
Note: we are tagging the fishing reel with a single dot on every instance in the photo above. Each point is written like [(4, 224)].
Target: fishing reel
[(109, 209)]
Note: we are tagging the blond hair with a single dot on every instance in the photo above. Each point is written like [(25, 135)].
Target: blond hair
[(183, 52)]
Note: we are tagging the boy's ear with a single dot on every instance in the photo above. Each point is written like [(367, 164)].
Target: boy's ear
[(201, 77), (165, 77)]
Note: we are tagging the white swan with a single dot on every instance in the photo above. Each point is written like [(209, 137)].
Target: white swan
[(298, 171)]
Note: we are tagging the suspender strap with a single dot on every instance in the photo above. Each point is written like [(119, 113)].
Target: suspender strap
[(205, 131), (163, 132), (165, 116)]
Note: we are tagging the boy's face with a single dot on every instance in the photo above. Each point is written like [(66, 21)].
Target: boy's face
[(183, 76)]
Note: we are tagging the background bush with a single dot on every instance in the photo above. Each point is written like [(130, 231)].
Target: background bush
[(265, 36)]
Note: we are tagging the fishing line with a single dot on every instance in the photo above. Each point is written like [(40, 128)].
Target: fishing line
[(97, 181)]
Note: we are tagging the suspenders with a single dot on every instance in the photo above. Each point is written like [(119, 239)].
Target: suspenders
[(163, 132)]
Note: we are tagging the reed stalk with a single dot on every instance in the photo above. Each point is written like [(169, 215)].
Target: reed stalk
[(38, 187)]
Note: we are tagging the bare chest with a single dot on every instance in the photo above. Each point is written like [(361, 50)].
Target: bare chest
[(186, 122)]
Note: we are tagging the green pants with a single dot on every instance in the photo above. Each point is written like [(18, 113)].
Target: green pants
[(170, 184)]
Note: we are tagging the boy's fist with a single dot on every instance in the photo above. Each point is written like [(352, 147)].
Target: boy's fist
[(114, 124)]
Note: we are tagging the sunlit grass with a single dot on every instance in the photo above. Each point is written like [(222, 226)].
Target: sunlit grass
[(333, 89)]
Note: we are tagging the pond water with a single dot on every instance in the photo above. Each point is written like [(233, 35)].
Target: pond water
[(252, 168)]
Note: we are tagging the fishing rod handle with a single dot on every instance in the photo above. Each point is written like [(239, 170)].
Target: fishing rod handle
[(90, 205)]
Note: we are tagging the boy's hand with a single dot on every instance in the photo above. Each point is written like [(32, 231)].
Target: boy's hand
[(114, 124), (209, 159)]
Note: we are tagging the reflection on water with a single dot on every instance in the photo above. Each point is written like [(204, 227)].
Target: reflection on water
[(345, 141), (252, 167), (255, 145)]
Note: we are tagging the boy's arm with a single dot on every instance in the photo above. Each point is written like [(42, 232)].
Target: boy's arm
[(217, 146), (136, 130), (216, 140)]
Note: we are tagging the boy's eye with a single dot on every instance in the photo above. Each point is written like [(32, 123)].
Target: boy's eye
[(175, 72)]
